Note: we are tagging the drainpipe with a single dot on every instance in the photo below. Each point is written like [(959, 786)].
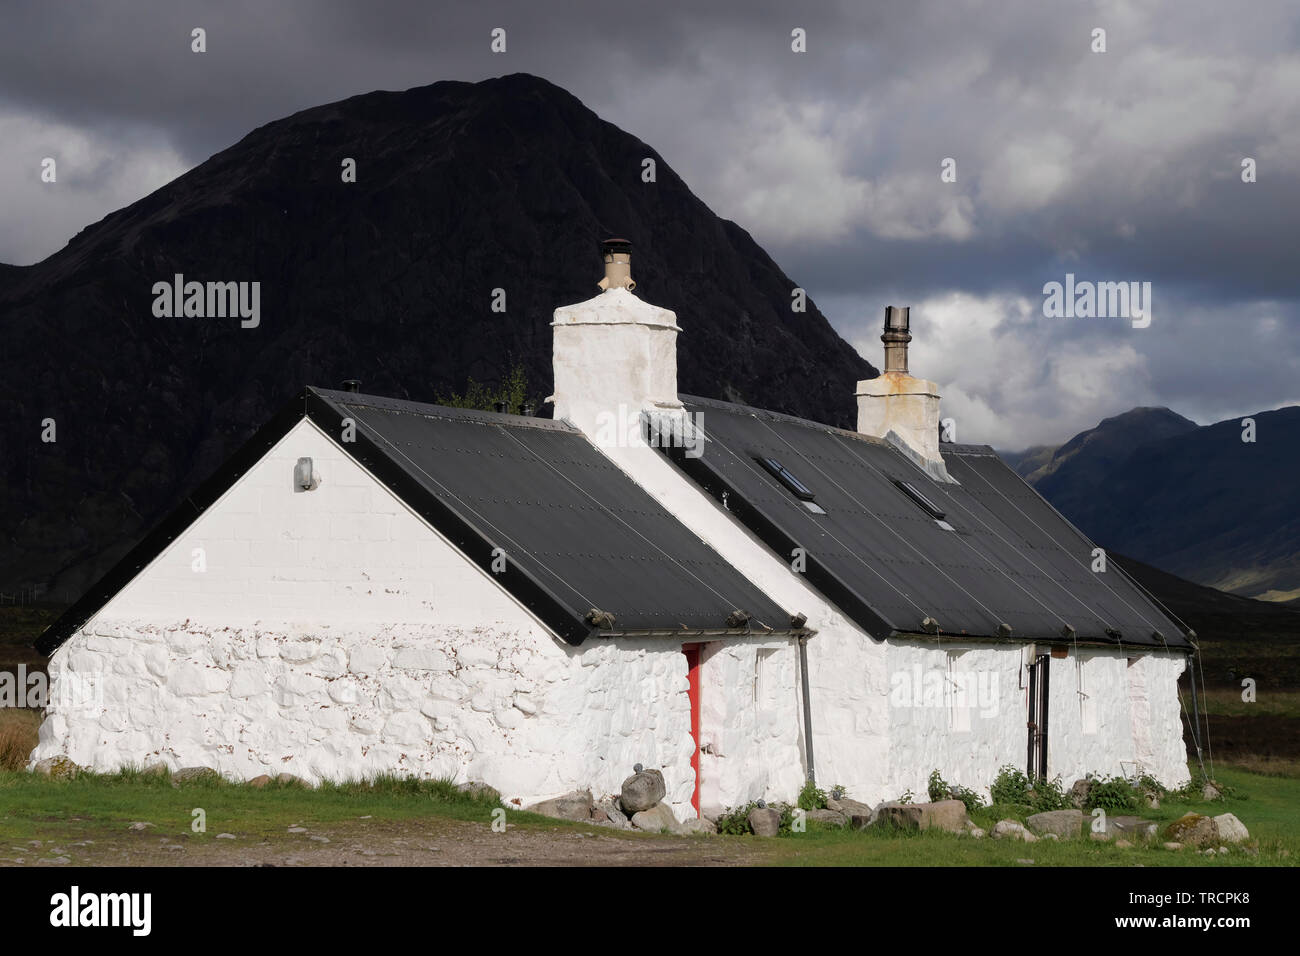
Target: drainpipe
[(807, 707)]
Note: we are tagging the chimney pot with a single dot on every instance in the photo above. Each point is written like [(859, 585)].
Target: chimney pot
[(617, 254), (896, 336), (352, 385)]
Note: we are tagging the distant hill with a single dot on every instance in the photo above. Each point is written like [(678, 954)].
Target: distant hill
[(461, 188), (1195, 501)]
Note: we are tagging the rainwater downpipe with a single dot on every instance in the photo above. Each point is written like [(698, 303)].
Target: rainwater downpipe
[(807, 707)]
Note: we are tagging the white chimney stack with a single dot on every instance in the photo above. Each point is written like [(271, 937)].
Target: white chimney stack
[(614, 355), (897, 404)]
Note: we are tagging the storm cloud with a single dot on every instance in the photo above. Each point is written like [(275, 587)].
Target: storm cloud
[(1117, 166)]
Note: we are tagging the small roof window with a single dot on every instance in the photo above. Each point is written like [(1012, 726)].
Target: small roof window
[(786, 477), (928, 506)]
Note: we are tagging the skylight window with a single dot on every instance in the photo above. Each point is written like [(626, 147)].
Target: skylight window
[(783, 475), (928, 506)]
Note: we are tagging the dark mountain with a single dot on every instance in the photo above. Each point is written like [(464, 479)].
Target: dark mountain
[(460, 189), (1026, 462), (1084, 461), (1195, 501)]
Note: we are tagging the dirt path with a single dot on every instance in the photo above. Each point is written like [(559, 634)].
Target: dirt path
[(427, 842)]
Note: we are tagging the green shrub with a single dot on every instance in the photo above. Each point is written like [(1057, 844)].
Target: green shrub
[(1049, 795), (1011, 786), (1112, 793), (938, 789), (735, 820), (811, 797)]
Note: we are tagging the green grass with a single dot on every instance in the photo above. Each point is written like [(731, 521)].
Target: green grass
[(35, 807), (1267, 805)]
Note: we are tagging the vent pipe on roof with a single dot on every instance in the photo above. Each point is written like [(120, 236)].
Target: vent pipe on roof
[(617, 254), (351, 385), (896, 336)]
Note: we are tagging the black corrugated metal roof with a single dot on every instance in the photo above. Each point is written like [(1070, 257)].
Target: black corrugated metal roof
[(1009, 561), (576, 532)]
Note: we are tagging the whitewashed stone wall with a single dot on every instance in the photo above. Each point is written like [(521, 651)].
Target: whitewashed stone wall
[(333, 634)]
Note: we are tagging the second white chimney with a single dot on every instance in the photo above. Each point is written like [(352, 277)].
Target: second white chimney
[(898, 405)]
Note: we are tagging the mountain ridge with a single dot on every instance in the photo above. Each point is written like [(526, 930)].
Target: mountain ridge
[(461, 189)]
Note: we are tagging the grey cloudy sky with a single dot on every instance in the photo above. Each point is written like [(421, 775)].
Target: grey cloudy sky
[(1123, 165)]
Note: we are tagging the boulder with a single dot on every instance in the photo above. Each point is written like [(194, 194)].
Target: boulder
[(1012, 830), (1079, 793), (656, 819), (155, 769), (765, 821), (607, 814), (480, 791), (830, 818), (259, 781), (1191, 829), (56, 768), (1066, 824), (195, 775), (576, 806), (1134, 828), (1230, 829), (287, 778), (641, 791), (948, 815), (699, 825), (1210, 792), (850, 808)]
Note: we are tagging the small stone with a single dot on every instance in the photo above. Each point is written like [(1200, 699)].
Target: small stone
[(977, 833), (297, 829), (1210, 792), (140, 825), (319, 839), (225, 836), (1172, 846), (1123, 844), (1223, 849), (1025, 862), (288, 778), (260, 781)]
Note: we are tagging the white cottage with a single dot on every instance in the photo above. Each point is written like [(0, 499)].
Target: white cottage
[(738, 597)]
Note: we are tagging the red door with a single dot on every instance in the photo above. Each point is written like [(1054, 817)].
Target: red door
[(692, 652)]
